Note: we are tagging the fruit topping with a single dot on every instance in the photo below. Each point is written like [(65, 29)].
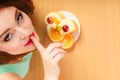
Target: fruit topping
[(59, 28), (68, 41), (65, 28), (55, 35), (50, 20), (55, 20)]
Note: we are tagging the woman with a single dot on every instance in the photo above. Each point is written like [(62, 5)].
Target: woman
[(18, 39)]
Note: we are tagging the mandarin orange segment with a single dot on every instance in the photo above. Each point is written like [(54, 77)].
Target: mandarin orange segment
[(67, 41), (56, 20), (55, 35)]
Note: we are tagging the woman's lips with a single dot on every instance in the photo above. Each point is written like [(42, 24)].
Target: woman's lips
[(29, 41)]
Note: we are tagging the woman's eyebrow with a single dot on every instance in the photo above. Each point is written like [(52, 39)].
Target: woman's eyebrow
[(5, 32)]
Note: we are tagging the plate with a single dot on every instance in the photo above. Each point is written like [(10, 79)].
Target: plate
[(69, 15)]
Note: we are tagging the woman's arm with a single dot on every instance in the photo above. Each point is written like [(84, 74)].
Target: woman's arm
[(9, 76), (50, 57)]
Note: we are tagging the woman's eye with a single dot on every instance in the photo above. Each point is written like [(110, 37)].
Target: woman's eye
[(19, 18), (8, 37)]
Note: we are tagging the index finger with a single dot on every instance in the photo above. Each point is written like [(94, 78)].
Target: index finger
[(37, 44)]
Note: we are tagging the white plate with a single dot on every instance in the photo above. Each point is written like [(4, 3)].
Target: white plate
[(69, 15)]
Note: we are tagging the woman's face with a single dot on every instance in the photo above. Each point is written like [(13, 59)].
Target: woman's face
[(15, 31)]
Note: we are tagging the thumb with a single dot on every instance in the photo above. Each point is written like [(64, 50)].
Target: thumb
[(38, 45)]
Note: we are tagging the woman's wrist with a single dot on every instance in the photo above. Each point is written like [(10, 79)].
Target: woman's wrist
[(51, 77), (51, 73)]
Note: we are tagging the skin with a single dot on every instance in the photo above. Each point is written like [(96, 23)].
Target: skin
[(16, 28), (19, 30)]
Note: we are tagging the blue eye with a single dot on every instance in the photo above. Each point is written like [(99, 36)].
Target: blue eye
[(8, 37), (19, 17)]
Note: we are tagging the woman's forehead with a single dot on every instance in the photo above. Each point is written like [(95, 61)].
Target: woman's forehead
[(6, 9), (7, 16)]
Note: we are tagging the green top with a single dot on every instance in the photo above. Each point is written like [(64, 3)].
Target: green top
[(21, 68)]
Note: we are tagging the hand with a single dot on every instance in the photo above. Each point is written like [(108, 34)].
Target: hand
[(50, 57)]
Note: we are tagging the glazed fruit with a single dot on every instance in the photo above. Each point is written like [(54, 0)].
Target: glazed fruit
[(68, 41), (65, 28), (50, 20), (53, 19), (55, 35), (61, 29), (67, 25)]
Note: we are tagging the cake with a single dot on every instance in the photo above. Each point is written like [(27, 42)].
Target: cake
[(67, 26), (53, 19), (61, 28)]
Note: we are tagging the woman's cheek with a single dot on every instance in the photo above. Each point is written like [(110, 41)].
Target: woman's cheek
[(14, 45)]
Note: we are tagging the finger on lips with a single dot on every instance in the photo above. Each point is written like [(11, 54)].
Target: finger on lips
[(37, 44), (53, 50)]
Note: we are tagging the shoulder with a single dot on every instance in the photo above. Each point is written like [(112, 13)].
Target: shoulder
[(9, 76)]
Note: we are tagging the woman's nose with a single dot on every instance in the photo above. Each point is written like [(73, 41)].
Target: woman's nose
[(23, 32)]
